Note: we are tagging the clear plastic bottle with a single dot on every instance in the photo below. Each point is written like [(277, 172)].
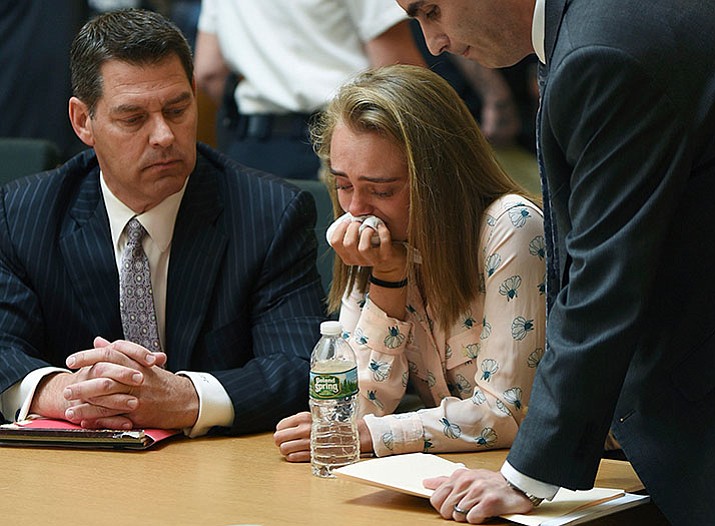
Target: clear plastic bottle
[(334, 440)]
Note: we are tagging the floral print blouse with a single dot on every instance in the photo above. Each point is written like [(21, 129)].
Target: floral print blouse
[(474, 377)]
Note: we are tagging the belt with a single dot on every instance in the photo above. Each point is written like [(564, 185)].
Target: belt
[(264, 126)]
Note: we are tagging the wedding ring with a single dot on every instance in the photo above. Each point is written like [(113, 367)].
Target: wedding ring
[(459, 510)]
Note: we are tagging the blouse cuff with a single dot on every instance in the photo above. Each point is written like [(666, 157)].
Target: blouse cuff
[(396, 434)]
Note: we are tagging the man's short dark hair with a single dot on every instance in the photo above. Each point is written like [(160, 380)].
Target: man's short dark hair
[(134, 36)]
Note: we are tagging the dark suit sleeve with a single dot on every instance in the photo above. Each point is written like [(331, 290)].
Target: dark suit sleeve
[(21, 333), (620, 141), (286, 311)]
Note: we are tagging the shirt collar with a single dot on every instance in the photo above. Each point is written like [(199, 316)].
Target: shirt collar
[(158, 221), (538, 32)]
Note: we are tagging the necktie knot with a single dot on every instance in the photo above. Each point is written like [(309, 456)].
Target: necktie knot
[(135, 231)]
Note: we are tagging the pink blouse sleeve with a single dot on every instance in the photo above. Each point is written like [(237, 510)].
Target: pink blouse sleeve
[(379, 343)]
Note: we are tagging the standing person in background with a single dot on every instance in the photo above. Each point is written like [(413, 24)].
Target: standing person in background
[(451, 299), (627, 144), (507, 109), (218, 338), (289, 58), (486, 92)]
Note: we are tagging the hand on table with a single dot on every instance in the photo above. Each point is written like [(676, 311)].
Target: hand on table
[(479, 492), (119, 385), (292, 437)]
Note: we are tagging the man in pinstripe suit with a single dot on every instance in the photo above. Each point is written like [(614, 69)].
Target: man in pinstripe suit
[(231, 253)]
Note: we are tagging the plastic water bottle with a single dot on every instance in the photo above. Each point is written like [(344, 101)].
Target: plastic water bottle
[(334, 440)]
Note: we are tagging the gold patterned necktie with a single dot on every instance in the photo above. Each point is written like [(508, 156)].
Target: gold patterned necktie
[(136, 300)]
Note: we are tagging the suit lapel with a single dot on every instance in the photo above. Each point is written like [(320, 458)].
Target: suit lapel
[(197, 251), (554, 16), (86, 247)]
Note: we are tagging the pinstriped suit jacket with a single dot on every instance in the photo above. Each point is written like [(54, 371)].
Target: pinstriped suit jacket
[(243, 293)]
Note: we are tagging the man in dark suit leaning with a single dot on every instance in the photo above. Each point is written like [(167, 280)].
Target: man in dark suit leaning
[(627, 145), (231, 254)]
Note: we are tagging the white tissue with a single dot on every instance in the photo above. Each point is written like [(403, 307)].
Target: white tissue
[(367, 221)]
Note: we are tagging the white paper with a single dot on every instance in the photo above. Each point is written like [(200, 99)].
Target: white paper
[(565, 502), (403, 473), (628, 500)]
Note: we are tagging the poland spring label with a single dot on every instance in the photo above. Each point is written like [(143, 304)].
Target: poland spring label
[(326, 386)]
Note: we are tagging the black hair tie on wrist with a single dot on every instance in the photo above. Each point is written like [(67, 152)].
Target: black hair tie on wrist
[(387, 284)]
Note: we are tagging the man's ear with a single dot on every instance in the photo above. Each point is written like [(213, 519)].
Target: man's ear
[(81, 121)]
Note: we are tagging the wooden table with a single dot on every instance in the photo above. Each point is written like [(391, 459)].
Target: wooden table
[(222, 481)]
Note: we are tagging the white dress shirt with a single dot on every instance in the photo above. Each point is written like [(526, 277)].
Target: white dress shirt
[(215, 407), (518, 479), (538, 30)]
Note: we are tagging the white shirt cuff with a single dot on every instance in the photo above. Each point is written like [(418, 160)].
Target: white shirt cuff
[(215, 406), (531, 486), (15, 401)]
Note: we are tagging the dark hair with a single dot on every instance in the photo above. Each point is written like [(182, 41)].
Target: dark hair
[(135, 36)]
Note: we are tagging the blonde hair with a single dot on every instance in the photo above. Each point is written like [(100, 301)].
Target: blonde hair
[(453, 177)]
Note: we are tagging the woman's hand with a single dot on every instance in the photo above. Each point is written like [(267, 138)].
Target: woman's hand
[(292, 437), (387, 259)]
